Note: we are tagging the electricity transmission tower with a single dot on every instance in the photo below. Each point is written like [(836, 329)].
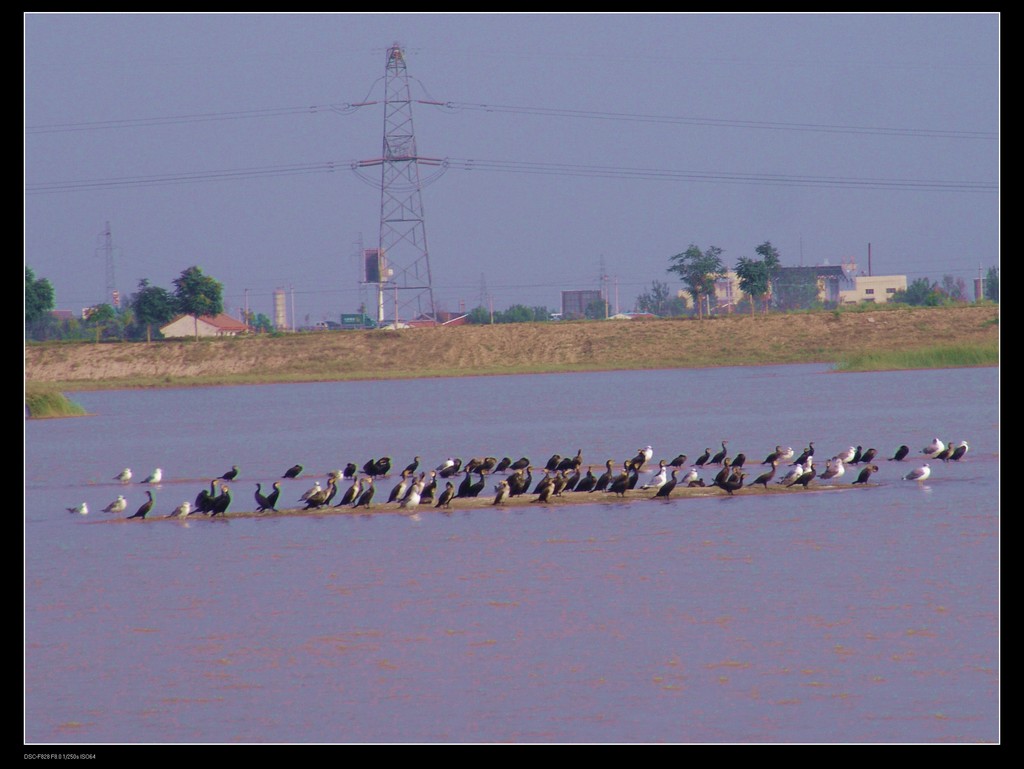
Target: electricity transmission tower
[(106, 251), (400, 267)]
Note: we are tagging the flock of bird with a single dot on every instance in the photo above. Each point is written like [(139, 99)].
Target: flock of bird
[(559, 475)]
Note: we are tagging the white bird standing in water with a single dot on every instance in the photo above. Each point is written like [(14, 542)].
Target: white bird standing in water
[(919, 474), (155, 477), (124, 476), (82, 509), (933, 448), (117, 506)]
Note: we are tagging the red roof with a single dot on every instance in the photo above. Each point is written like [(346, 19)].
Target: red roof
[(225, 322)]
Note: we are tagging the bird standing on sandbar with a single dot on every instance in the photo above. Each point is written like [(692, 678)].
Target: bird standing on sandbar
[(367, 496), (182, 510), (865, 474), (143, 511), (117, 506)]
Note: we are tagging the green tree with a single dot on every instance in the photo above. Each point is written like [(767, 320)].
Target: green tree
[(755, 279), (38, 297), (773, 262), (103, 320), (699, 270), (920, 293), (954, 288), (992, 284), (517, 313), (596, 310), (152, 306), (479, 315), (659, 300), (258, 322), (796, 288), (198, 294)]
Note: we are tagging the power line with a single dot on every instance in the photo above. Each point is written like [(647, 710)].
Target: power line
[(526, 167), (345, 108), (722, 123), (201, 117)]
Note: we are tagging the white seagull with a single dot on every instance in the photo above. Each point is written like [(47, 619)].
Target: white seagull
[(310, 492), (412, 499), (933, 448), (834, 468), (124, 476), (155, 476), (182, 510), (658, 480), (920, 474), (689, 478), (847, 455), (795, 472), (82, 509), (117, 506)]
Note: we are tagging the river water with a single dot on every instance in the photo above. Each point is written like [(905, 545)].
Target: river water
[(860, 616)]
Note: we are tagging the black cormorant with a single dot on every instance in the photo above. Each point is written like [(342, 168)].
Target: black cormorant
[(901, 453), (143, 511), (445, 500), (718, 458)]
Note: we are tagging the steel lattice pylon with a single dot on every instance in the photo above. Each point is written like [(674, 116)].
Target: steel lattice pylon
[(403, 263)]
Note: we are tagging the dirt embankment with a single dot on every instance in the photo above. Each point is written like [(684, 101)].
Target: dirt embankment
[(508, 348)]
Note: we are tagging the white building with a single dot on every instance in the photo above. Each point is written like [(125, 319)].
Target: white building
[(205, 325), (873, 288)]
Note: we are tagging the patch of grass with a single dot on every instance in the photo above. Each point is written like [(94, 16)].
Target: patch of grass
[(46, 403), (944, 356)]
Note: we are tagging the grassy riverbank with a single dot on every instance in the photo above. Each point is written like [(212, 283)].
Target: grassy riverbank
[(884, 338)]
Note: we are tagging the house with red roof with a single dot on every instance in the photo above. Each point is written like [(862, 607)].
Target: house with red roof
[(204, 325)]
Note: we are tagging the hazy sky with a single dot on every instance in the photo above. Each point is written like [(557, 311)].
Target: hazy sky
[(610, 141)]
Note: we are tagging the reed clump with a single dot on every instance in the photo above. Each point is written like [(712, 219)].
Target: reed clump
[(939, 356), (44, 403)]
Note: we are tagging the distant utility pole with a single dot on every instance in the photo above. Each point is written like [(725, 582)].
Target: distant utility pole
[(603, 279), (106, 251), (404, 260)]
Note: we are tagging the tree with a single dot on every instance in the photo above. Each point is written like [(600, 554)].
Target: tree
[(954, 288), (198, 294), (152, 306), (920, 293), (699, 270), (992, 284), (258, 322), (773, 262), (796, 288), (659, 300), (596, 310), (38, 297), (755, 279)]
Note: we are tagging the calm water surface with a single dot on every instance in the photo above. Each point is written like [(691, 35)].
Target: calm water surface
[(867, 615)]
